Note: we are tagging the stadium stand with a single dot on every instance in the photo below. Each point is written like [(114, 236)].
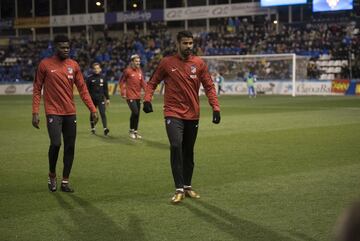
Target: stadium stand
[(327, 42)]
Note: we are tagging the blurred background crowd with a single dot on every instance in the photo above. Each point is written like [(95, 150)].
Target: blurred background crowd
[(337, 41)]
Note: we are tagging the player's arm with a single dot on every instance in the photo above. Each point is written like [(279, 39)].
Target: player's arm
[(210, 92), (143, 83), (37, 87), (122, 84), (106, 91), (151, 85)]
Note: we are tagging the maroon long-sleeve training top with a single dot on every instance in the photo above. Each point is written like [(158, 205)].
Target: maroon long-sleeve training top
[(131, 83), (58, 77), (182, 80)]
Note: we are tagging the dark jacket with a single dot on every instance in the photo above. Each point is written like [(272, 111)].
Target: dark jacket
[(98, 87)]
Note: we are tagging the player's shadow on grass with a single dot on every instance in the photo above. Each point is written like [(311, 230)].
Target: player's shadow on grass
[(127, 141), (90, 223), (238, 228)]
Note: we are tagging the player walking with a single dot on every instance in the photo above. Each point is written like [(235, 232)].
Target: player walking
[(131, 83), (98, 89), (183, 74), (56, 76)]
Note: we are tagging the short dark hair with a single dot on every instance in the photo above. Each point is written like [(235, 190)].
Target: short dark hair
[(61, 39), (184, 34)]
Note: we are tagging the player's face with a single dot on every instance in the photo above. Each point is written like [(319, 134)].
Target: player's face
[(136, 62), (96, 69), (185, 47), (63, 49)]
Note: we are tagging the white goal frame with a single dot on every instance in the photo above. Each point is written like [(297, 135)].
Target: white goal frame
[(289, 56)]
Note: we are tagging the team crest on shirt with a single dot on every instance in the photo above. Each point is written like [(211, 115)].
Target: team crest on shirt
[(70, 70), (70, 73), (193, 71)]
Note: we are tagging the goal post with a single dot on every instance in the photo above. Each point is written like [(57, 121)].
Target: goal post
[(276, 73)]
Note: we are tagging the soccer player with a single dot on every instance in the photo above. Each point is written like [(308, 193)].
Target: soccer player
[(56, 76), (220, 80), (98, 89), (250, 82), (182, 74), (131, 83)]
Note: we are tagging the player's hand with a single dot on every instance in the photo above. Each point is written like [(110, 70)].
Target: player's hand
[(35, 120), (147, 107), (216, 117), (94, 117), (107, 102)]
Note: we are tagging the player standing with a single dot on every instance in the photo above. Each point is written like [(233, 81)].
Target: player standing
[(183, 74), (131, 83), (98, 89), (56, 76), (250, 82)]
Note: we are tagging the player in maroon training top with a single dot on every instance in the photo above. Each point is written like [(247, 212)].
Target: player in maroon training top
[(182, 74), (56, 76), (131, 83)]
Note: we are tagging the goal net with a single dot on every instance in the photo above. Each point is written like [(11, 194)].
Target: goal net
[(275, 73)]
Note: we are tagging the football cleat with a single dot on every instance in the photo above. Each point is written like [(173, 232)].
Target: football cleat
[(52, 184), (178, 197), (106, 131), (93, 131), (189, 192), (132, 134), (65, 187), (138, 136)]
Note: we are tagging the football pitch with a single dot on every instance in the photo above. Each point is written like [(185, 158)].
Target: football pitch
[(277, 168)]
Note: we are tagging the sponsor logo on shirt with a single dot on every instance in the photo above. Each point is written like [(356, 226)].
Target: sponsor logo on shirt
[(70, 76), (193, 76), (53, 70), (173, 69)]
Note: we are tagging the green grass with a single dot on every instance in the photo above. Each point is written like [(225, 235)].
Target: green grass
[(275, 169)]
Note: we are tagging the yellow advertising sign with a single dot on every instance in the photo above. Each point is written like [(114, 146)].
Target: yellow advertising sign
[(36, 22), (357, 89)]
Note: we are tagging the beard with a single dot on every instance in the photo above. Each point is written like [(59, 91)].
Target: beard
[(187, 52)]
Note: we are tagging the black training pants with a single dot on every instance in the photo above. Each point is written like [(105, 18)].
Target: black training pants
[(134, 106), (182, 136), (65, 125), (100, 104)]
